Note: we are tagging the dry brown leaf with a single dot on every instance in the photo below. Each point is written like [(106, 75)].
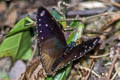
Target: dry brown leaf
[(12, 18)]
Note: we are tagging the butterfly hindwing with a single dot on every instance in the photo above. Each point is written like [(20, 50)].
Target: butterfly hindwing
[(76, 52), (50, 37)]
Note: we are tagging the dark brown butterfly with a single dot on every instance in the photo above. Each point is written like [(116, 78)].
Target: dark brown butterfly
[(54, 51)]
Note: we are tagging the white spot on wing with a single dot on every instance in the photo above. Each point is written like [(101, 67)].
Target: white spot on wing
[(39, 24), (46, 25), (69, 62), (95, 42), (89, 47), (42, 38), (85, 50), (40, 31), (86, 46), (75, 56), (51, 28), (42, 13), (39, 19), (65, 54)]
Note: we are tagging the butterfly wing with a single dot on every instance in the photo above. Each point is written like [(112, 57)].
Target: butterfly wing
[(51, 39), (77, 52)]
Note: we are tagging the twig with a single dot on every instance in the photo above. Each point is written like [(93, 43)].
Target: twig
[(104, 55), (94, 32), (112, 66), (89, 12), (115, 3), (87, 18), (71, 19), (113, 78), (92, 64), (111, 2), (82, 19), (33, 53), (81, 67)]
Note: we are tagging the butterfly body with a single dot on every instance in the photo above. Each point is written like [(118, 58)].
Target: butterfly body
[(55, 53)]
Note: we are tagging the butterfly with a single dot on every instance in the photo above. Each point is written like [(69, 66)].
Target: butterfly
[(54, 51)]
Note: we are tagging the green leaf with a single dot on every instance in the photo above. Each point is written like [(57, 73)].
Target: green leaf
[(3, 76), (74, 24), (57, 16), (27, 55), (63, 74), (18, 40), (76, 34), (49, 78), (25, 25)]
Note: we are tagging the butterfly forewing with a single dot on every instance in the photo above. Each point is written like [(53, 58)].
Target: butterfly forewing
[(51, 39)]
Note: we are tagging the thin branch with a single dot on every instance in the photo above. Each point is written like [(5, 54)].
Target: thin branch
[(113, 78), (104, 55), (112, 66), (86, 19), (92, 65), (81, 67), (111, 2), (34, 50)]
